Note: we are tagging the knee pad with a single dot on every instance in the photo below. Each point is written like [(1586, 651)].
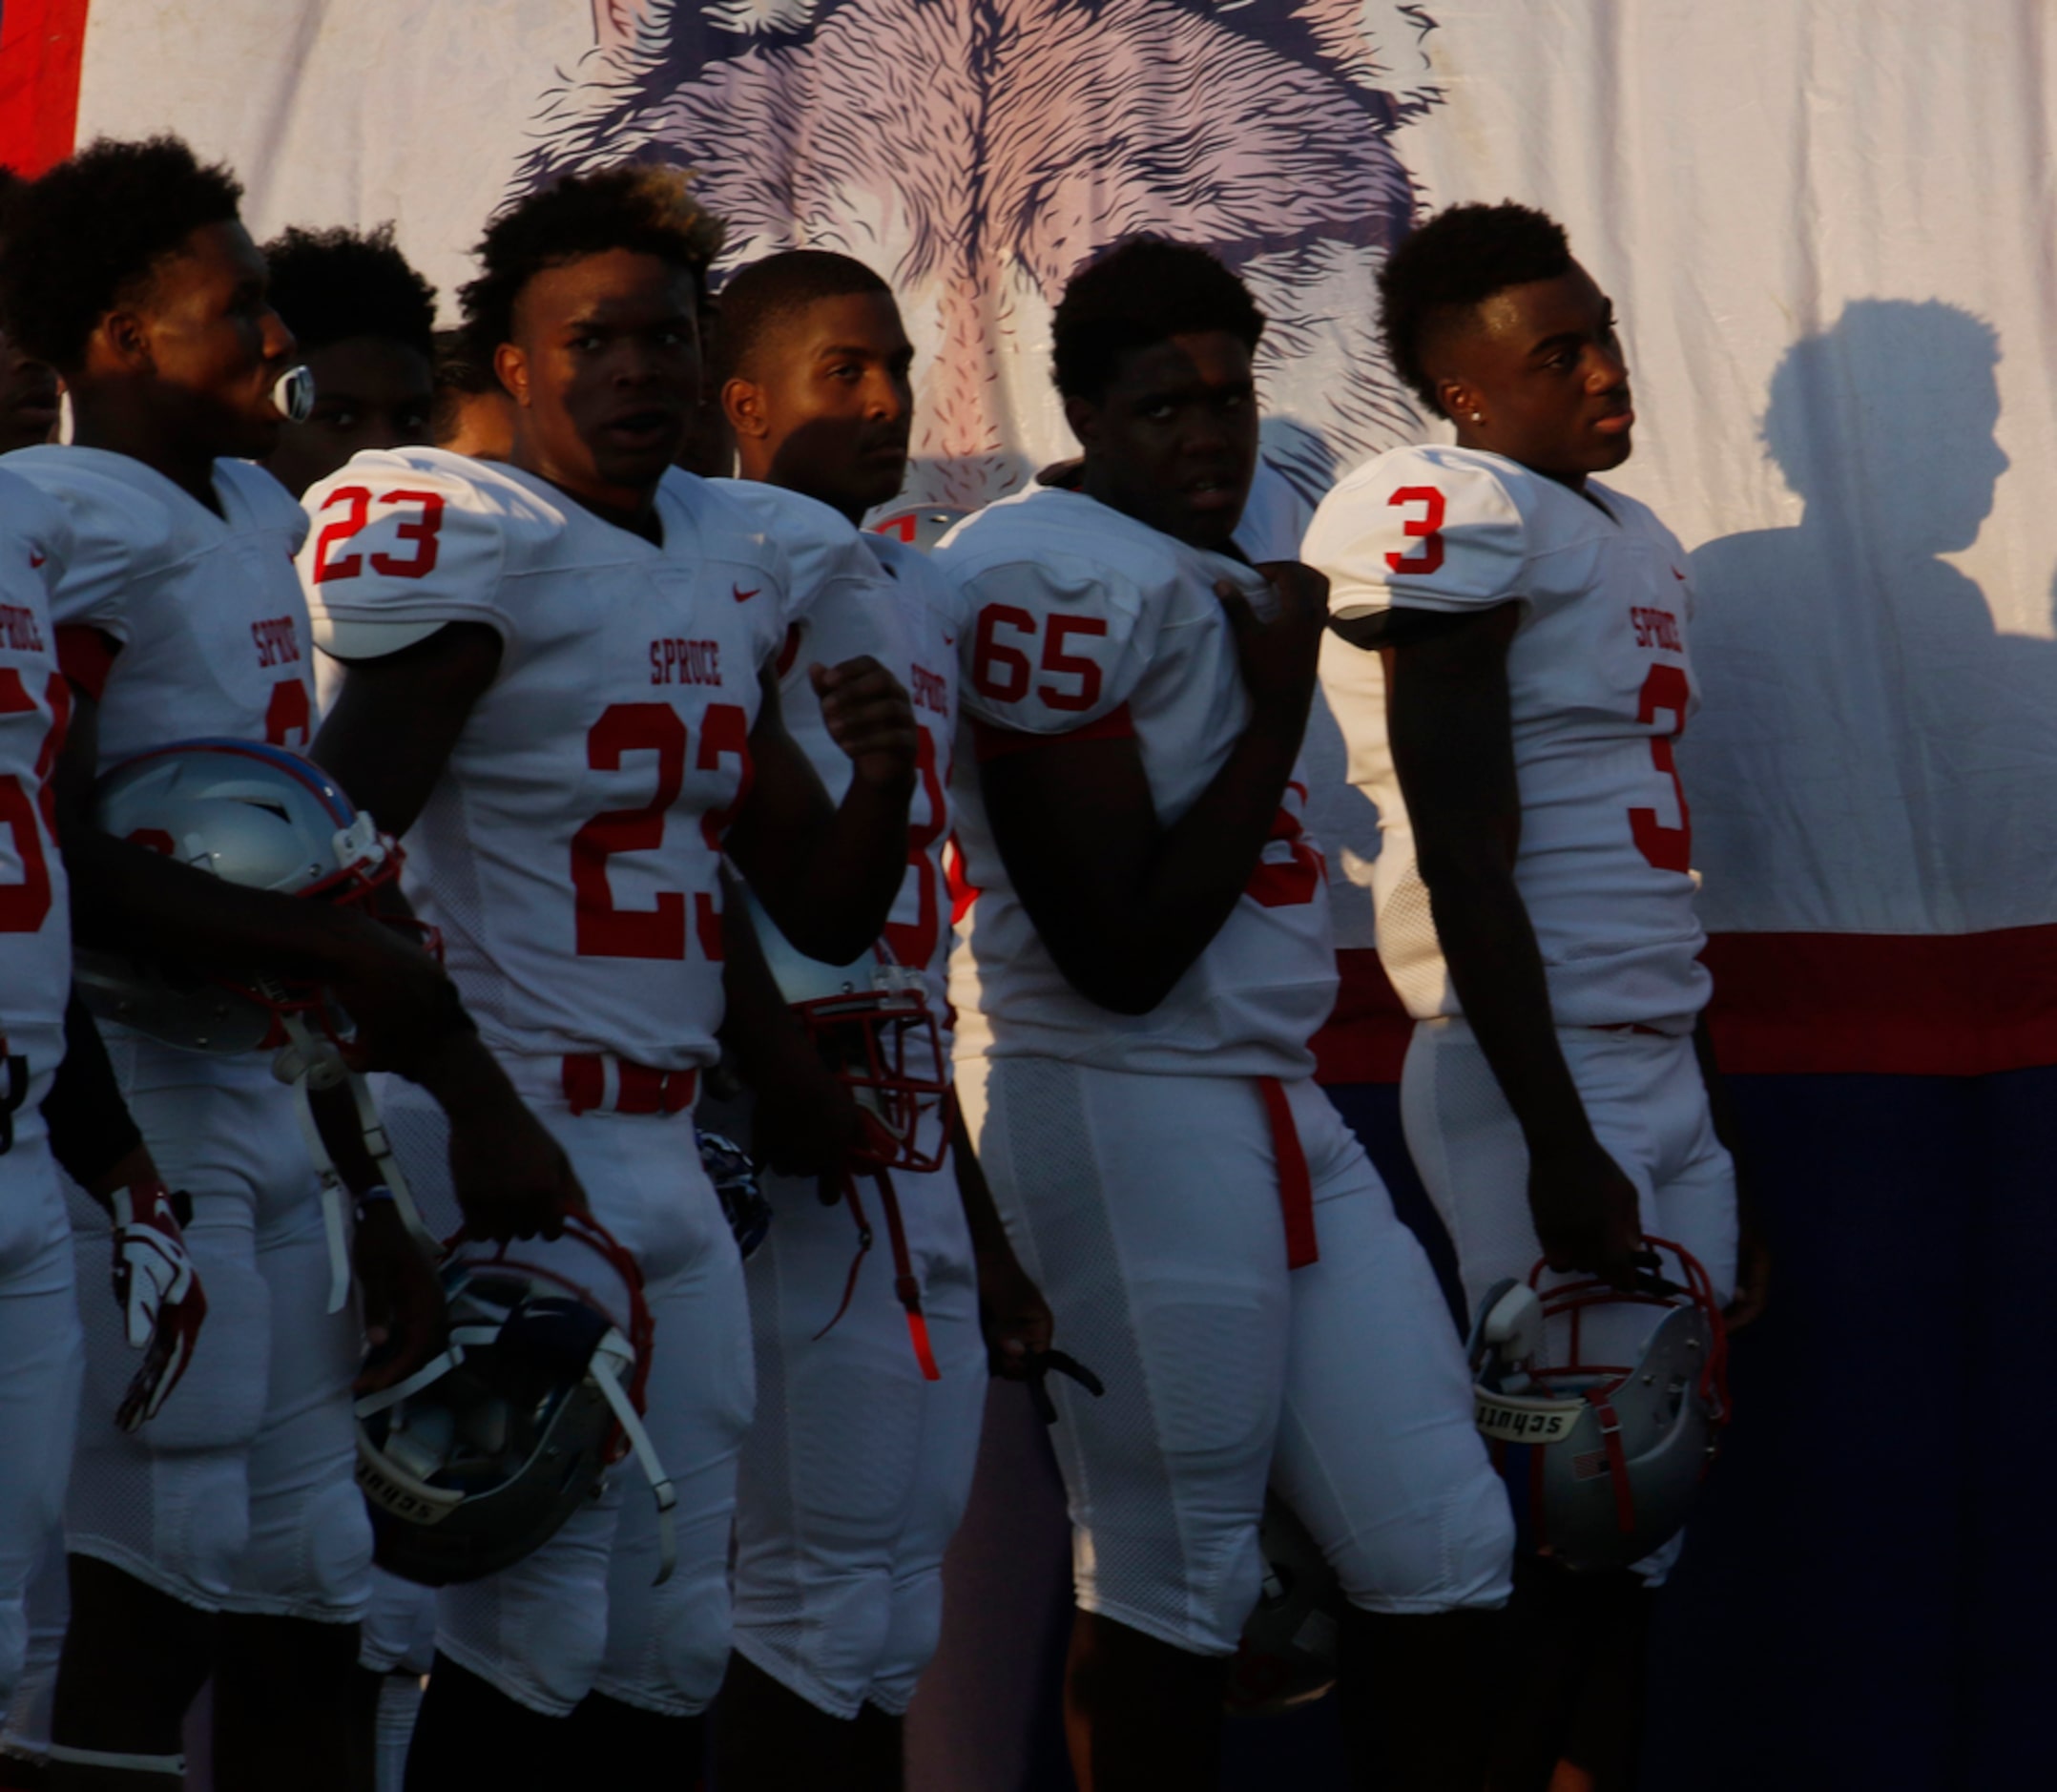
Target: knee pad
[(911, 1638), (398, 1629), (692, 1649), (541, 1646), (1460, 1556), (321, 1564)]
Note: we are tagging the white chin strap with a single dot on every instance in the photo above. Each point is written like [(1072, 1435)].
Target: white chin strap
[(307, 1063), (611, 1361)]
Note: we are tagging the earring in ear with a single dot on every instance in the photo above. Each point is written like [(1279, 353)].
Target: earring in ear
[(1477, 417)]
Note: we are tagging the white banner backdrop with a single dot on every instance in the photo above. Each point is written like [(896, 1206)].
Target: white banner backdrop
[(1826, 224)]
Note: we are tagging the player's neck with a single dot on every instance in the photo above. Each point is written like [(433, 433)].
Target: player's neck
[(1092, 483), (635, 511), (101, 420)]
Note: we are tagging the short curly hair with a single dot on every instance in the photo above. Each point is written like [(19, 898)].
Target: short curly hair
[(1139, 293), (647, 209), (330, 285), (1453, 263), (89, 234), (762, 296)]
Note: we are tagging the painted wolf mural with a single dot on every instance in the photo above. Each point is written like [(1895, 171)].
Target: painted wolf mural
[(975, 151)]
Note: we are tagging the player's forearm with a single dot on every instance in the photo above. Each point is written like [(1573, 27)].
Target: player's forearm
[(1124, 933), (91, 1133), (129, 900), (1496, 967), (758, 1031), (849, 876), (1720, 1109), (981, 1218)]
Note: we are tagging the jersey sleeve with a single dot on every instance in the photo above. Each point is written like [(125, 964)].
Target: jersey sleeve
[(269, 504), (1411, 531), (393, 551), (1049, 647), (114, 533)]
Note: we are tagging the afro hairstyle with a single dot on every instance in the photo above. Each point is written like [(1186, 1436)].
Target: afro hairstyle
[(1136, 294), (330, 285), (461, 372), (1453, 263), (649, 210), (88, 236), (760, 298)]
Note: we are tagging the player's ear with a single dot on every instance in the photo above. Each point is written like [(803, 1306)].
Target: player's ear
[(1458, 402), (742, 401), (1083, 417), (510, 367), (126, 339)]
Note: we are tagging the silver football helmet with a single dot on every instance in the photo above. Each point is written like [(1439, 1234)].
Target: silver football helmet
[(249, 814), (1602, 1460), (1287, 1655), (475, 1460)]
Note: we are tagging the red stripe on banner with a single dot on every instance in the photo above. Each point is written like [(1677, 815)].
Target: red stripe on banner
[(42, 43), (1801, 1004), (1885, 1004)]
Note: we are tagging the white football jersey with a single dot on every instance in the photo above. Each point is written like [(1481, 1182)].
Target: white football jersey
[(1078, 616), (570, 851), (206, 609), (35, 702), (1599, 685), (855, 592)]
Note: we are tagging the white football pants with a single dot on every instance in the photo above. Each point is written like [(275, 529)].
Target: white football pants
[(1147, 1209), (581, 1614), (856, 1469), (1648, 1104), (242, 1494), (39, 1375)]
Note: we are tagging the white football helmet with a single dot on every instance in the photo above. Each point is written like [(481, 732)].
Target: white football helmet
[(475, 1460), (249, 814), (1602, 1460)]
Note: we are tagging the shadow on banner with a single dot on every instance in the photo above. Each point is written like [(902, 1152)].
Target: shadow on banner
[(1862, 1598)]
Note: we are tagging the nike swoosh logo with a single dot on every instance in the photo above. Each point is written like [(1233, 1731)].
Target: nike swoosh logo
[(741, 595), (36, 559), (949, 640)]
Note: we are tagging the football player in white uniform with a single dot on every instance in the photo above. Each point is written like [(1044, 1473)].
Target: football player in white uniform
[(228, 1536), (857, 1468), (1511, 670), (559, 679), (1148, 956)]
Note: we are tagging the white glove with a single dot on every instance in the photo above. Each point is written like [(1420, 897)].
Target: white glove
[(160, 1297)]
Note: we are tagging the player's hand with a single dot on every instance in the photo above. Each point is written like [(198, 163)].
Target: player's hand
[(869, 717), (162, 1303), (1753, 1278), (805, 1121), (402, 1296), (511, 1178), (1013, 1314), (1588, 1215), (1279, 649)]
